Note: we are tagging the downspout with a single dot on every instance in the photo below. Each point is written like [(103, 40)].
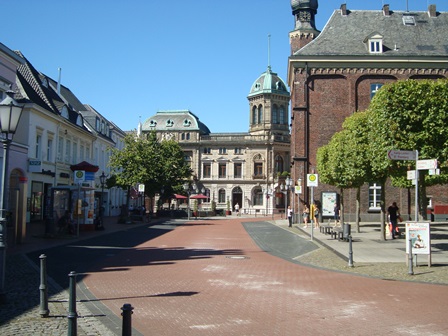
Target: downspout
[(307, 130)]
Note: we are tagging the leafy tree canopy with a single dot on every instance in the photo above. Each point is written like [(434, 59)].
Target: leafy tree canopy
[(409, 115), (148, 161)]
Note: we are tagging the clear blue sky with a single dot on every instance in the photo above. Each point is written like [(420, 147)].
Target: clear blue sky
[(132, 58)]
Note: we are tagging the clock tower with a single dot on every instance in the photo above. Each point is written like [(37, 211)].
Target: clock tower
[(305, 30)]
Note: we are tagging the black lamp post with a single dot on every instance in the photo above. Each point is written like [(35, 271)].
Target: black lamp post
[(189, 192), (10, 113), (103, 182), (285, 190)]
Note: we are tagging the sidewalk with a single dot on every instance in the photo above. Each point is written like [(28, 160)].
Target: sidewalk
[(368, 247)]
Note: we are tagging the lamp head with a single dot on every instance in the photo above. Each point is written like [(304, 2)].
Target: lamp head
[(10, 113)]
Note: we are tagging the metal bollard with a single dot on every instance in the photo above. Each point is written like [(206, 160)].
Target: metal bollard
[(350, 252), (43, 289), (72, 315), (411, 261), (127, 319)]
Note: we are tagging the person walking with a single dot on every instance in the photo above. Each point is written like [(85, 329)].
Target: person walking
[(315, 212), (306, 214), (289, 216), (337, 214), (393, 213), (237, 209)]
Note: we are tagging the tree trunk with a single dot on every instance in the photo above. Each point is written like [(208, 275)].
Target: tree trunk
[(383, 202), (358, 208)]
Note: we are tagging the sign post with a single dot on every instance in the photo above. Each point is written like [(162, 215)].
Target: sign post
[(312, 180), (298, 191), (79, 178), (406, 155)]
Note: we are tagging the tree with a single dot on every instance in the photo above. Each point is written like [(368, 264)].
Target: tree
[(343, 162), (148, 161), (410, 115)]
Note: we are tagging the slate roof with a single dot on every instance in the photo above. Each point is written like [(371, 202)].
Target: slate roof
[(32, 87), (345, 35), (175, 120)]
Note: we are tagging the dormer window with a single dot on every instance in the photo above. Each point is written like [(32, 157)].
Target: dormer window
[(169, 123), (187, 123), (64, 112), (376, 46), (375, 43), (152, 123)]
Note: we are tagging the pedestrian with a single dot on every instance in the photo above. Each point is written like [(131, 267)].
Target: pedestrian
[(393, 212), (315, 212), (306, 214), (237, 209), (289, 216), (337, 214)]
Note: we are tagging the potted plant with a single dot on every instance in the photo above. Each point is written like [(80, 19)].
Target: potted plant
[(228, 211)]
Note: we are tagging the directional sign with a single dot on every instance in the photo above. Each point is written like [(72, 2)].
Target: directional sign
[(427, 164), (400, 155)]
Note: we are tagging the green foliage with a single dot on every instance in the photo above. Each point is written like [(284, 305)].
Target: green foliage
[(146, 160), (343, 161), (410, 115)]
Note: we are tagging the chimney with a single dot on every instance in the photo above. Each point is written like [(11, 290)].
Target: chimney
[(344, 9), (59, 81), (386, 10), (432, 11)]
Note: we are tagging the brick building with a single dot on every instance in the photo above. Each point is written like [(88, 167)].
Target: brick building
[(335, 72)]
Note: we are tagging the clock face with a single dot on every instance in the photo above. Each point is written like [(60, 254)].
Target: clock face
[(304, 16)]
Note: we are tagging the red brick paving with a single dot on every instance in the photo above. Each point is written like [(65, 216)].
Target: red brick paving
[(186, 283)]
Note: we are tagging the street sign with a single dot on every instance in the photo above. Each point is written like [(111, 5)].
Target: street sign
[(400, 155), (298, 189), (427, 164), (312, 180)]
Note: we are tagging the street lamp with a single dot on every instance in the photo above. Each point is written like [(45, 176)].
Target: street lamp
[(189, 191), (103, 182), (10, 113), (285, 189)]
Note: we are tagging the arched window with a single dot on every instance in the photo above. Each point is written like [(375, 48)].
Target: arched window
[(258, 196), (254, 115), (260, 114), (278, 164), (282, 115), (275, 114), (221, 196)]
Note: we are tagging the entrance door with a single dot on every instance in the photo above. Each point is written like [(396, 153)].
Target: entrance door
[(237, 197)]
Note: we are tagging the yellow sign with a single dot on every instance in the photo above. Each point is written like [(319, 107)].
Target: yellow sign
[(312, 180)]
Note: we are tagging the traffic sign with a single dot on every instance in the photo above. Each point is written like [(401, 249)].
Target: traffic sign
[(400, 155), (312, 180)]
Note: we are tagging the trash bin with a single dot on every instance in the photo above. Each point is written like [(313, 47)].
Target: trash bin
[(346, 231)]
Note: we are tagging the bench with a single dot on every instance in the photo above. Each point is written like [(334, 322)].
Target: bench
[(337, 232), (326, 229)]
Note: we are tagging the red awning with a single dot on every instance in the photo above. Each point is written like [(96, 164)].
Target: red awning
[(177, 196), (200, 196)]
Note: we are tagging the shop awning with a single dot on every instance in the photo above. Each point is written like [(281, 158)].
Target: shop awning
[(177, 196)]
